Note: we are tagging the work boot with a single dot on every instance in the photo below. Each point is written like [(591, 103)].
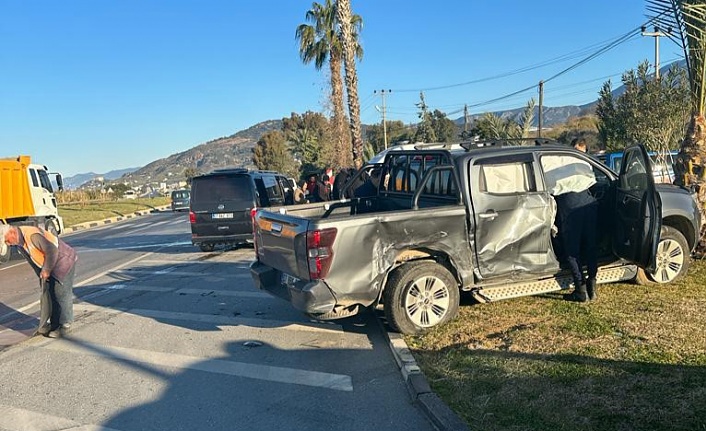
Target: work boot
[(60, 332), (43, 330), (579, 294), (591, 289)]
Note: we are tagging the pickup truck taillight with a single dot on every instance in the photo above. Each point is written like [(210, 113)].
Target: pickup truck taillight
[(253, 211), (192, 217), (319, 252)]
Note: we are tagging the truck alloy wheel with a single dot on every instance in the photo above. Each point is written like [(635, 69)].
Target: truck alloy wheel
[(672, 259), (419, 296)]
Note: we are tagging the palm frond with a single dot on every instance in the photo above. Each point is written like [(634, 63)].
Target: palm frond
[(687, 20)]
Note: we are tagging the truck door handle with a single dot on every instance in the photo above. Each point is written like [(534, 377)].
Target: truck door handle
[(490, 214)]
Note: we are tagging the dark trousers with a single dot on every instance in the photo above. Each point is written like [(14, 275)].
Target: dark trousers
[(578, 233), (56, 302)]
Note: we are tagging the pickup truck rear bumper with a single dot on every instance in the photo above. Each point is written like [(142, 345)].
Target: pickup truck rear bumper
[(312, 297)]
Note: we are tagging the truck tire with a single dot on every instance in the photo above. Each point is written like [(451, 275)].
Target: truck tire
[(5, 252), (672, 259), (207, 248), (50, 226), (419, 296)]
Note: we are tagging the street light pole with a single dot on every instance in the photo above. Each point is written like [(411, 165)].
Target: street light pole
[(656, 34), (384, 123)]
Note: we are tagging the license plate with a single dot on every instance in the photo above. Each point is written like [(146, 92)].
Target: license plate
[(221, 215), (288, 279)]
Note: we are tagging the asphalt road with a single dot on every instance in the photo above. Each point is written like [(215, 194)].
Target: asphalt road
[(169, 338)]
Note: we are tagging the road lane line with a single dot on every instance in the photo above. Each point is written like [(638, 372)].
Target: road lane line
[(83, 283), (113, 269), (186, 291), (217, 319), (338, 382), (173, 271), (14, 418), (4, 267)]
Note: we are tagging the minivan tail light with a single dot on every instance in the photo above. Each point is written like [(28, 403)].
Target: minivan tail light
[(319, 252), (192, 217)]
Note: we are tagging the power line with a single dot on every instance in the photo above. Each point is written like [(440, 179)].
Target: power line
[(561, 58)]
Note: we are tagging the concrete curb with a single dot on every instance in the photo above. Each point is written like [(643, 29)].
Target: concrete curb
[(92, 224), (440, 415)]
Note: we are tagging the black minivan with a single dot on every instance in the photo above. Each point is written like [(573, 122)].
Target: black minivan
[(222, 203)]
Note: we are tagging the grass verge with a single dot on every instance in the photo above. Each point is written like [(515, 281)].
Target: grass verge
[(633, 360), (82, 212)]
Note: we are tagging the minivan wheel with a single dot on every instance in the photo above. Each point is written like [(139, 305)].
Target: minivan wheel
[(672, 259), (419, 296), (207, 247)]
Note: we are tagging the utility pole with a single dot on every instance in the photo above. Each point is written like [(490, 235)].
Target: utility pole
[(466, 120), (541, 102), (656, 34), (384, 123)]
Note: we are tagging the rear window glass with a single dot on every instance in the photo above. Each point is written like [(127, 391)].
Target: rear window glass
[(180, 195), (220, 188)]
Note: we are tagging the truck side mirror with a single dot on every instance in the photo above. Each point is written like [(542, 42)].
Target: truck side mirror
[(59, 182)]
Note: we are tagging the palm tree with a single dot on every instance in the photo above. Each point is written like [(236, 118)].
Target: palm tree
[(349, 40), (687, 20), (320, 42)]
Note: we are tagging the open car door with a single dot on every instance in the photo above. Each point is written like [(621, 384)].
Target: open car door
[(638, 210)]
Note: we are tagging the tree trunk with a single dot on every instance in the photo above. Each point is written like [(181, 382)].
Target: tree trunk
[(341, 133), (690, 168), (343, 12)]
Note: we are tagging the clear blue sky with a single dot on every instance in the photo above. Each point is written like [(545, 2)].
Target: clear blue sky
[(101, 85)]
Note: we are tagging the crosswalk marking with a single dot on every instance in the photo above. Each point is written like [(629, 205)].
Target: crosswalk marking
[(338, 382), (17, 419)]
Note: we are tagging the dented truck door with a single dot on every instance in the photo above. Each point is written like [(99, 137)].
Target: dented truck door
[(512, 218)]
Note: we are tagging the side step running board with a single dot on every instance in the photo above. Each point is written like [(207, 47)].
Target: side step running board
[(506, 291)]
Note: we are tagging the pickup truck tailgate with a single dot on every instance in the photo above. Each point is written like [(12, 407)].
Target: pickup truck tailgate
[(280, 239)]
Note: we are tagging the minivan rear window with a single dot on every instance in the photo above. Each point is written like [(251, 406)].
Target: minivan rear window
[(183, 194), (220, 188)]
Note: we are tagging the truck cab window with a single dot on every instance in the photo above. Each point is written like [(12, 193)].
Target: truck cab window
[(507, 178), (33, 175), (45, 181)]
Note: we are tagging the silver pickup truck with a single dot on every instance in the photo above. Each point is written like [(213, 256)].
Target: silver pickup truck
[(476, 218)]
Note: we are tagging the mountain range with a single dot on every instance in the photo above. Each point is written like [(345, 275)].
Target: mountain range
[(75, 181)]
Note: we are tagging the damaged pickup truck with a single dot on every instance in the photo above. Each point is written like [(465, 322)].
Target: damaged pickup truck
[(474, 218)]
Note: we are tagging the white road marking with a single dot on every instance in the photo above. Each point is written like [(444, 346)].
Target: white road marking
[(173, 271), (113, 269), (82, 283), (4, 267), (170, 244), (14, 418), (338, 382), (143, 288), (217, 319)]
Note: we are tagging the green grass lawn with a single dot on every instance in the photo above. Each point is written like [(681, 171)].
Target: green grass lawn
[(77, 213), (633, 360)]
